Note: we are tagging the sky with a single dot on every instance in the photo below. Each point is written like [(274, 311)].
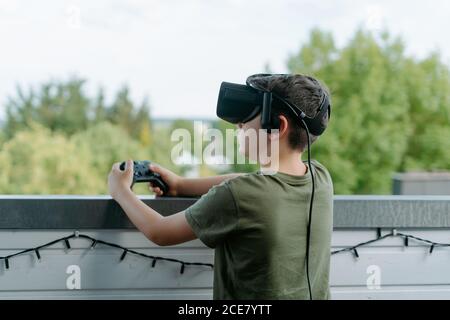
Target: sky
[(176, 53)]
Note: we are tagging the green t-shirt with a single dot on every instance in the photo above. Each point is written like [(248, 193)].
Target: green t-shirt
[(257, 225)]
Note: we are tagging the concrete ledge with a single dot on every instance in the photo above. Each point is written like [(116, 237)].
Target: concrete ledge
[(102, 212), (391, 211)]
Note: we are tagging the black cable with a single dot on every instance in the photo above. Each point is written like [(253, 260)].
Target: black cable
[(308, 230), (436, 244), (363, 243)]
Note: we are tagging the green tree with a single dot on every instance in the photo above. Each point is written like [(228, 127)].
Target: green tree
[(63, 106), (58, 106), (428, 84), (100, 108), (121, 110), (386, 109), (142, 128), (37, 161)]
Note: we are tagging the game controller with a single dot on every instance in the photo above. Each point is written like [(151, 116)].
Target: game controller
[(142, 173)]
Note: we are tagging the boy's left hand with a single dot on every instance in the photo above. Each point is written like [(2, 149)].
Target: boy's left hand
[(118, 180)]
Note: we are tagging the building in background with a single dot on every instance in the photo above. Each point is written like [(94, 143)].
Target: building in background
[(421, 183)]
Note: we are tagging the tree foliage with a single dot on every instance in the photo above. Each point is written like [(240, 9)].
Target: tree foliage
[(391, 113)]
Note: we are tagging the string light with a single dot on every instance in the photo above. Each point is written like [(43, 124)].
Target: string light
[(66, 241), (355, 252), (123, 254), (393, 233), (37, 254), (125, 251), (94, 242), (378, 232)]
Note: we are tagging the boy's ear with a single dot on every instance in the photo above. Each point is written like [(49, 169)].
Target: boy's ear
[(283, 125)]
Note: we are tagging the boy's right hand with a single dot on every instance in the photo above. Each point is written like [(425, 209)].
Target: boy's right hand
[(171, 179)]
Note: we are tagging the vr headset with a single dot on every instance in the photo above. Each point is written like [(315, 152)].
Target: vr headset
[(239, 103)]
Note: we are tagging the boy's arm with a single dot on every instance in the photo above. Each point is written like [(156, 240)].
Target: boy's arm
[(158, 229), (163, 231), (199, 186), (179, 186)]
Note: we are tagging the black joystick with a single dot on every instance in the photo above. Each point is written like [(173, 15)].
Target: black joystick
[(142, 173)]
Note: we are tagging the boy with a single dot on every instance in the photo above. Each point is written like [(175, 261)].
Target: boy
[(256, 222)]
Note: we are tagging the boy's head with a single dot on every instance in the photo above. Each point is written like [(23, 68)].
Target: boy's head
[(300, 90), (303, 91)]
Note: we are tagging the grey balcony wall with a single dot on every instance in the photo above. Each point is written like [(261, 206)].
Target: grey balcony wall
[(402, 272)]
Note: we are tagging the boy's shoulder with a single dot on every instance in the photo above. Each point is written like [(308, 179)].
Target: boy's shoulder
[(244, 183), (319, 166), (323, 168), (244, 178), (258, 179)]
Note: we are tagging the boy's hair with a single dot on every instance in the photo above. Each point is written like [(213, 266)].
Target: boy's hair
[(300, 90)]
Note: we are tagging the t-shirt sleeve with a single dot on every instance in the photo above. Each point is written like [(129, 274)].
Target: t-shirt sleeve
[(214, 216)]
